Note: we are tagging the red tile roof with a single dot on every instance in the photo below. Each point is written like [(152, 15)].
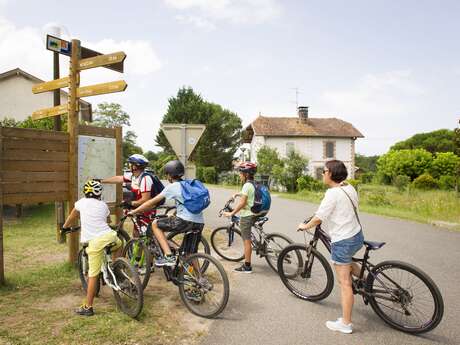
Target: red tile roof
[(293, 126)]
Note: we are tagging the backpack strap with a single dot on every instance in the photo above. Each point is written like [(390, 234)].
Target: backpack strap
[(354, 207)]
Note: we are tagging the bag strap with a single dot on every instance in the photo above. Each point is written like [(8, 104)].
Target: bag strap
[(354, 207)]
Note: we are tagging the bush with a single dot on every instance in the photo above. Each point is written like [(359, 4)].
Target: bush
[(401, 182), (411, 163), (425, 181), (199, 173), (307, 182), (447, 182), (209, 175), (367, 177), (377, 198), (355, 183), (445, 163), (229, 177)]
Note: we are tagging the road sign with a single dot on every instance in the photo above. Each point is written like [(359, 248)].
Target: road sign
[(51, 85), (183, 139), (48, 112), (100, 89), (101, 60), (58, 45)]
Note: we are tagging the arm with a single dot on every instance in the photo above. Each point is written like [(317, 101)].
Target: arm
[(113, 179), (145, 197), (315, 221), (148, 204), (71, 218), (324, 210), (241, 204)]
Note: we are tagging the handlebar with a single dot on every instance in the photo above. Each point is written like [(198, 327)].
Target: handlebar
[(69, 230), (227, 207)]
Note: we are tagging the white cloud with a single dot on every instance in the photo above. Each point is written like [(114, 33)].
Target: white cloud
[(382, 106), (206, 13)]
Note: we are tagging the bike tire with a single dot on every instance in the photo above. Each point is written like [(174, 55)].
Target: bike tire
[(139, 256), (192, 288), (218, 238), (83, 267), (203, 245), (123, 270), (383, 271), (272, 260), (291, 274)]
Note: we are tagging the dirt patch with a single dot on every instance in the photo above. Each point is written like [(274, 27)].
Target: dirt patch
[(61, 303)]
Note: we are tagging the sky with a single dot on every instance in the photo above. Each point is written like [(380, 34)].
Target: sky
[(391, 68)]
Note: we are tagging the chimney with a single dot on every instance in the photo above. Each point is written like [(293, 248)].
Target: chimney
[(302, 112)]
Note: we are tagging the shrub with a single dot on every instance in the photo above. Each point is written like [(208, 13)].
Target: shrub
[(306, 182), (229, 177), (209, 175), (355, 183), (199, 173), (267, 158), (411, 163), (293, 167), (425, 181), (447, 182), (445, 163), (367, 177), (401, 182), (378, 198)]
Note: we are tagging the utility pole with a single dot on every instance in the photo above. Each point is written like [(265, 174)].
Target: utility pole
[(297, 92)]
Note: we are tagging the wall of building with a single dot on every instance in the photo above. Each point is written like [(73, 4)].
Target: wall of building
[(310, 147)]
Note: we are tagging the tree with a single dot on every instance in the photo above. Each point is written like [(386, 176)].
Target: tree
[(441, 140), (223, 128), (290, 170), (267, 158), (9, 122), (129, 145), (110, 115), (445, 163), (366, 163), (411, 163)]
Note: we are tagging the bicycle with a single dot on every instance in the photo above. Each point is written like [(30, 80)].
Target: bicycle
[(118, 274), (201, 279), (398, 292), (228, 242), (142, 250)]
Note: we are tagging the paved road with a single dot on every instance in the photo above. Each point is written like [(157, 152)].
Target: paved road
[(262, 311)]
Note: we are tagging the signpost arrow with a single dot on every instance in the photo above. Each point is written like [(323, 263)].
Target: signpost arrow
[(101, 60), (51, 85), (100, 89), (48, 112)]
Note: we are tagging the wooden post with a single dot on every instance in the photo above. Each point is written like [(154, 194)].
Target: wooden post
[(73, 143), (119, 171), (2, 269)]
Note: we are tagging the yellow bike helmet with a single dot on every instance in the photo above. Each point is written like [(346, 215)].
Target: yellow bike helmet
[(92, 189)]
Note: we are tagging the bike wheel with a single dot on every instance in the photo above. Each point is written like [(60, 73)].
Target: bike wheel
[(228, 243), (274, 244), (140, 258), (130, 297), (203, 245), (404, 297), (308, 277), (204, 294), (83, 268)]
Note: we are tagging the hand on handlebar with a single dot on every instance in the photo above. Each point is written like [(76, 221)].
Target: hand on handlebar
[(227, 214), (126, 204)]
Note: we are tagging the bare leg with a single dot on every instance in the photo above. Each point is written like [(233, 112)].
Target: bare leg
[(91, 290), (355, 269), (160, 236), (347, 299), (247, 251)]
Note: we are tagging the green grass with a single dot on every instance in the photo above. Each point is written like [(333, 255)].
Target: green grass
[(42, 290), (417, 205)]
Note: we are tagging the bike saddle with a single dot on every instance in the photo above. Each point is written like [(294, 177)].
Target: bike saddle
[(374, 245)]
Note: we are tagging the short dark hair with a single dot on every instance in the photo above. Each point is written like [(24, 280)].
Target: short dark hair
[(338, 170)]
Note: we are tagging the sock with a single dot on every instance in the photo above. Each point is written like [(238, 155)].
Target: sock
[(247, 264)]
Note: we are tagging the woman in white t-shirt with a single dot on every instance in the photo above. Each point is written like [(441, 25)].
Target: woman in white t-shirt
[(338, 215)]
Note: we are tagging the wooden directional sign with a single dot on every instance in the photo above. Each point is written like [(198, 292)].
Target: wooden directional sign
[(51, 85), (54, 111), (100, 89), (101, 60)]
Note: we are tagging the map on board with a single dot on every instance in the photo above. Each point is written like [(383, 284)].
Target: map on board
[(97, 159)]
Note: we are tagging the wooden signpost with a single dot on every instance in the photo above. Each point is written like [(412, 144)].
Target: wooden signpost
[(101, 60), (51, 85), (100, 89), (48, 112)]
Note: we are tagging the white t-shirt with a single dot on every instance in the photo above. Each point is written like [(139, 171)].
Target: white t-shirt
[(337, 214), (93, 218)]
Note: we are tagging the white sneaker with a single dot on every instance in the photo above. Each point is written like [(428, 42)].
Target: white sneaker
[(339, 326)]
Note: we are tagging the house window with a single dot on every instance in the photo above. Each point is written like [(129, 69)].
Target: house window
[(319, 173), (289, 147), (329, 149)]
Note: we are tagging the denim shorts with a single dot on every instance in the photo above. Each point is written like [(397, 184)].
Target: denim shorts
[(342, 251)]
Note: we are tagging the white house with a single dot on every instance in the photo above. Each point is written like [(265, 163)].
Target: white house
[(318, 139), (18, 102)]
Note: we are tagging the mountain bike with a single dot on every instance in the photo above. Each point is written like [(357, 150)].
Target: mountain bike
[(201, 279), (143, 250), (401, 294), (118, 274), (228, 243)]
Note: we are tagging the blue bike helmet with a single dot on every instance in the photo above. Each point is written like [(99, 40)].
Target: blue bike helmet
[(139, 160)]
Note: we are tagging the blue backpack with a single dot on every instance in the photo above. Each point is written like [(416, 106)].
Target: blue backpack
[(195, 195), (262, 198)]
